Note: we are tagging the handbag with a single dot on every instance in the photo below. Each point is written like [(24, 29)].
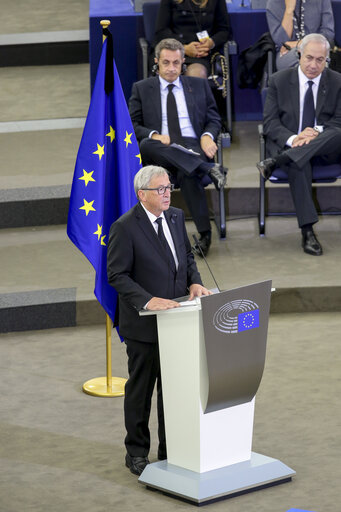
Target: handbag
[(219, 72)]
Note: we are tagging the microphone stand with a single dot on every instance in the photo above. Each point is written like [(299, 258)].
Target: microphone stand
[(202, 254)]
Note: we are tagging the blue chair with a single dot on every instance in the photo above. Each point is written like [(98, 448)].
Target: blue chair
[(321, 174)]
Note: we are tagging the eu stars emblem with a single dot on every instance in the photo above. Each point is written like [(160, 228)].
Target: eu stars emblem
[(248, 320)]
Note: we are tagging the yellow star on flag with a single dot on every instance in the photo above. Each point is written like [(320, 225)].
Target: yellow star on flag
[(87, 176), (102, 240), (111, 134), (100, 151), (99, 231), (139, 157), (87, 207), (127, 139)]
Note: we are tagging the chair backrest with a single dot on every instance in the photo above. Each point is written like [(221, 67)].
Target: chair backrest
[(150, 10), (337, 17), (263, 95)]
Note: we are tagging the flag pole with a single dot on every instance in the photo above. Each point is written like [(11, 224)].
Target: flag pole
[(106, 386)]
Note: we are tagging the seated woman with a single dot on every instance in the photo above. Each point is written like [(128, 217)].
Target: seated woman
[(200, 25), (290, 20)]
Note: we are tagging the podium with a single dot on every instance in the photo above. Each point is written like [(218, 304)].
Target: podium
[(212, 356)]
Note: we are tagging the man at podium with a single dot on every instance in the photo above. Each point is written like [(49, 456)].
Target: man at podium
[(149, 263)]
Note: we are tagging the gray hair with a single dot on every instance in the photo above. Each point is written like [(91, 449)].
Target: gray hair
[(169, 44), (316, 38), (145, 175)]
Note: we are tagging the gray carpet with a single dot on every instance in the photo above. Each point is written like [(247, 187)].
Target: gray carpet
[(62, 450)]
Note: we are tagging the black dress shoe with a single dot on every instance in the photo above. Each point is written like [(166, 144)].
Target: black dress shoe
[(136, 464), (310, 244), (203, 244), (217, 173), (266, 167)]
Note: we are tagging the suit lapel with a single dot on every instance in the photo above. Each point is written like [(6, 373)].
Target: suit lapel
[(155, 97), (173, 224), (150, 232), (147, 228), (322, 94), (189, 97), (171, 219), (295, 96)]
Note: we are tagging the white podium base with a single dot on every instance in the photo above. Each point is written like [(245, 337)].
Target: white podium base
[(199, 488)]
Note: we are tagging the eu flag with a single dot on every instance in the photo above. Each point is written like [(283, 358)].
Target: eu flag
[(248, 320), (107, 161)]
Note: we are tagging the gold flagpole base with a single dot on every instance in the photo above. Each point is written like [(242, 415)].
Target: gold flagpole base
[(99, 387)]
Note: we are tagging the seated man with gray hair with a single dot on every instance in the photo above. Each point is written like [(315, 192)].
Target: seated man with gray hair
[(302, 125), (171, 109)]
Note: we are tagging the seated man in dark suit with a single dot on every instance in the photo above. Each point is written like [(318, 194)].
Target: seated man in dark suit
[(302, 122), (170, 108), (149, 264)]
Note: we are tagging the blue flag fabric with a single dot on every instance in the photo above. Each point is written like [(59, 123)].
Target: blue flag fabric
[(298, 510), (102, 189), (248, 320)]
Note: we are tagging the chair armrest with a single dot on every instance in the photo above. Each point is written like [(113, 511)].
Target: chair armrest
[(224, 139), (270, 63), (261, 142), (232, 47)]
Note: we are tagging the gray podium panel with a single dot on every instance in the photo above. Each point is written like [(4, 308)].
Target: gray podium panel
[(212, 356), (199, 488), (235, 326)]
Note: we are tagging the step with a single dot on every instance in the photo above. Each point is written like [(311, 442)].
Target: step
[(42, 206), (44, 48), (35, 181), (44, 92), (45, 281), (35, 16)]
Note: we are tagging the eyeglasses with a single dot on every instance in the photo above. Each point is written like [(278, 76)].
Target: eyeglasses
[(161, 190)]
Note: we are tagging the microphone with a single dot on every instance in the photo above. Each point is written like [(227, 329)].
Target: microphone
[(209, 268)]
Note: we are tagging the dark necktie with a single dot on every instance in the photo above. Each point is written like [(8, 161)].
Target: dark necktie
[(308, 116), (172, 116), (164, 243)]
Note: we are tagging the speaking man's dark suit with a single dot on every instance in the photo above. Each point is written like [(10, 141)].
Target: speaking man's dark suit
[(138, 269), (145, 112), (281, 120)]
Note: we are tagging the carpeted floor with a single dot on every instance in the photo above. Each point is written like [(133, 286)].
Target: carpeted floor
[(62, 450)]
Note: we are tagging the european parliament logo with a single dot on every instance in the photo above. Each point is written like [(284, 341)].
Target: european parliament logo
[(237, 316)]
